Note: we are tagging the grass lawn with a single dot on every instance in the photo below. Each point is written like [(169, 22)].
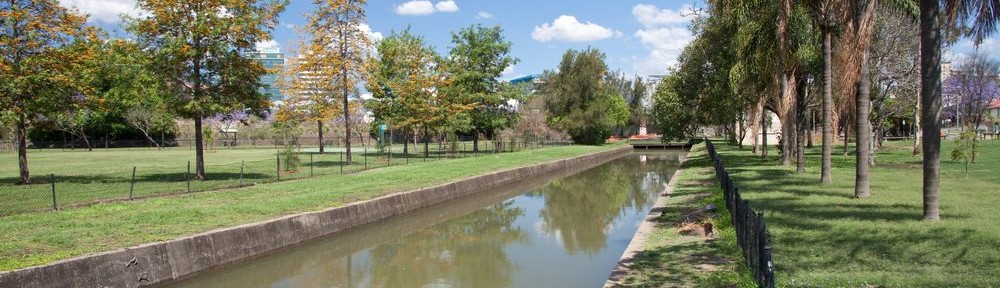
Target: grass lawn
[(83, 177), (823, 237), (39, 238)]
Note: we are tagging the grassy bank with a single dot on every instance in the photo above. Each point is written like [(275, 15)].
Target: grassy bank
[(39, 238), (82, 177), (672, 258), (823, 237)]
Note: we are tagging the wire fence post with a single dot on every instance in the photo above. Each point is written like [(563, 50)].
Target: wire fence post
[(277, 166), (365, 155), (310, 165), (341, 162), (52, 179), (131, 187), (242, 164), (188, 176)]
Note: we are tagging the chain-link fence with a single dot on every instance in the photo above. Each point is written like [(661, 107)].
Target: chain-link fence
[(751, 231), (58, 191)]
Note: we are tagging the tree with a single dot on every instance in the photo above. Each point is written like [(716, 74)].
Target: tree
[(202, 51), (895, 58), (42, 47), (578, 100), (972, 88), (311, 91), (337, 52), (984, 23), (476, 62), (126, 87), (671, 115), (407, 80)]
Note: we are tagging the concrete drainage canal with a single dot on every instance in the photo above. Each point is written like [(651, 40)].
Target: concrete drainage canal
[(564, 229)]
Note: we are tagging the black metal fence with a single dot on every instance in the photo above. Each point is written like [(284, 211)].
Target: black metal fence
[(69, 189), (751, 231)]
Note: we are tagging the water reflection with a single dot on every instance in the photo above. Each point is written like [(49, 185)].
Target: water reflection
[(582, 207), (562, 231)]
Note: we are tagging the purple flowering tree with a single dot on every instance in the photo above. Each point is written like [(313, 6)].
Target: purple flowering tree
[(969, 91)]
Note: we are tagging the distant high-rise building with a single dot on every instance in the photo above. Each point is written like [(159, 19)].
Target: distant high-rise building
[(272, 59)]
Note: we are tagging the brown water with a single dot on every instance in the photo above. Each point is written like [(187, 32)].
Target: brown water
[(554, 230)]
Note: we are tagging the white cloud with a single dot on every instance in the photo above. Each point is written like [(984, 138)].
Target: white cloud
[(650, 16), (373, 35), (415, 7), (665, 45), (268, 44), (425, 7), (446, 6), (287, 25), (507, 72), (567, 28), (484, 15), (107, 11)]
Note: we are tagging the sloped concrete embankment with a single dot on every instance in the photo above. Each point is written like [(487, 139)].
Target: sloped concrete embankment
[(168, 261)]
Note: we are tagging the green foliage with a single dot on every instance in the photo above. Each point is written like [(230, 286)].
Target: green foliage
[(408, 84), (671, 114), (579, 101), (966, 148), (204, 57), (475, 63), (290, 160)]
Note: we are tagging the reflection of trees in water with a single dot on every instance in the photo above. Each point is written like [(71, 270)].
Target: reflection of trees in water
[(464, 252), (581, 208)]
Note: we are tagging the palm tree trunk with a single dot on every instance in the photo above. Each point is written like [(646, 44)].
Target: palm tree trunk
[(862, 188), (826, 177), (800, 127), (847, 133), (763, 126), (930, 104), (916, 130)]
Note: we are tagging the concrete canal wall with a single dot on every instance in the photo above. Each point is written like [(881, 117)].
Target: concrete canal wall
[(169, 261)]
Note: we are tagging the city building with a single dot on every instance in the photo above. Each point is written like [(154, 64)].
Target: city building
[(273, 60)]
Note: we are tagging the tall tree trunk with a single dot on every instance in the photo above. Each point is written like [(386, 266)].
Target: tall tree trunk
[(22, 149), (319, 126), (800, 127), (427, 143), (862, 118), (199, 149), (347, 127), (847, 133), (763, 126), (787, 124), (811, 128), (475, 140), (916, 130), (930, 104)]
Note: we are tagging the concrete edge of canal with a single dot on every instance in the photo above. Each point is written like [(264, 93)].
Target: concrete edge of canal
[(178, 259), (638, 242)]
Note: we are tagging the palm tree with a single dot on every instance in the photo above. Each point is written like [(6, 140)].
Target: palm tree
[(984, 16), (863, 12)]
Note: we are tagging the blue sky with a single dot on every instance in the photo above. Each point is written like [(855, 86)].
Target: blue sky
[(638, 37)]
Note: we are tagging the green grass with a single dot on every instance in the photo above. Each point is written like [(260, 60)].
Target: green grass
[(670, 259), (823, 237), (84, 177), (40, 238)]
